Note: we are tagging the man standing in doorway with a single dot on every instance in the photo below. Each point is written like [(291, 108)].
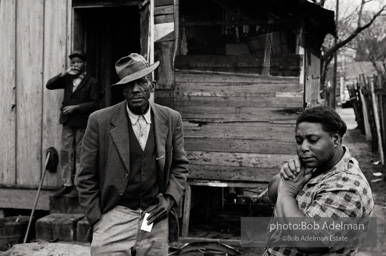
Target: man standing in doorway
[(81, 98), (133, 163)]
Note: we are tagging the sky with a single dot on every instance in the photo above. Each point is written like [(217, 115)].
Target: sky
[(347, 7)]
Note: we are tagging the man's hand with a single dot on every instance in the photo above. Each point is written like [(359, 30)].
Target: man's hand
[(72, 71), (69, 109), (293, 186), (161, 211)]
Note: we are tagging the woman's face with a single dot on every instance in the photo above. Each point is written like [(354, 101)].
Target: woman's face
[(315, 147)]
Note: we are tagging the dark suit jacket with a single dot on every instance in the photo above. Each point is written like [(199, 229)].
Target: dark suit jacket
[(105, 157), (86, 96)]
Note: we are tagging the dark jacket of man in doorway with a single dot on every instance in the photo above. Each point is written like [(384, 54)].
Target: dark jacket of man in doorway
[(133, 163), (81, 98)]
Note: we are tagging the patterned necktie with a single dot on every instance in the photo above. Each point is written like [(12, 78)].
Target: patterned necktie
[(142, 133)]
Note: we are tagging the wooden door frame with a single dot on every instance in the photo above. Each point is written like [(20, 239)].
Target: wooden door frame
[(146, 10)]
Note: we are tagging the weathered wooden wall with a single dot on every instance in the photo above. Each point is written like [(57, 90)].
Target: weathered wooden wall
[(312, 79), (8, 91), (164, 39), (285, 65), (34, 47), (238, 127)]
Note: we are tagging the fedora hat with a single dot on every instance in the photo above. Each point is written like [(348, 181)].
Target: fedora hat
[(133, 67)]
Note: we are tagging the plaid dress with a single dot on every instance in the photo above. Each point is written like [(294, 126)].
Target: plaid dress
[(341, 192)]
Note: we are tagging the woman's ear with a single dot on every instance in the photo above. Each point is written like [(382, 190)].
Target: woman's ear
[(337, 139)]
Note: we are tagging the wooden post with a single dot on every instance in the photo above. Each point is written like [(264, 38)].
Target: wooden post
[(150, 47), (268, 49), (377, 123), (382, 112), (186, 216), (366, 90), (365, 116)]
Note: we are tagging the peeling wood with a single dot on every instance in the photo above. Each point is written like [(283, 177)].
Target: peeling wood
[(235, 131), (236, 113), (260, 101), (7, 92), (163, 10), (238, 159), (164, 18), (24, 199), (258, 145), (29, 88), (231, 173), (163, 2), (183, 76)]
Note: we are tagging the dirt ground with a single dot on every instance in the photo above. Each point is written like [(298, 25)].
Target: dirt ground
[(354, 140), (369, 162)]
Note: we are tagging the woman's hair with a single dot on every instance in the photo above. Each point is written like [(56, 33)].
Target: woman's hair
[(330, 120)]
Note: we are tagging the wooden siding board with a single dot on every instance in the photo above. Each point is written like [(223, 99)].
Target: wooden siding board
[(230, 89), (224, 61), (55, 36), (231, 173), (238, 159), (163, 2), (223, 77), (260, 101), (29, 90), (24, 199), (7, 91), (163, 10), (240, 130), (279, 71), (260, 146), (233, 114), (164, 18)]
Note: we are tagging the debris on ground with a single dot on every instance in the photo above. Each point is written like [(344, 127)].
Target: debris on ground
[(48, 249), (204, 248)]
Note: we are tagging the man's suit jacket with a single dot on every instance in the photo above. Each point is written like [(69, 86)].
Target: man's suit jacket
[(105, 157), (86, 96)]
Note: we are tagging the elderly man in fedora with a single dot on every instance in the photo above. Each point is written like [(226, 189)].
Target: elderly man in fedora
[(133, 168)]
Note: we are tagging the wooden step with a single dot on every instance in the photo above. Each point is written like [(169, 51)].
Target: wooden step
[(65, 204), (60, 227)]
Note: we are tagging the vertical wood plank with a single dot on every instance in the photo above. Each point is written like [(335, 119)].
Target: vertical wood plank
[(29, 57), (377, 120), (164, 73), (145, 26), (7, 91), (55, 36), (312, 95)]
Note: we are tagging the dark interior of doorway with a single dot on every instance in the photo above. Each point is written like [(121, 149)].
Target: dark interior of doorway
[(106, 35)]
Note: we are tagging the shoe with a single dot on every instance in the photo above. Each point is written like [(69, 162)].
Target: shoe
[(63, 191)]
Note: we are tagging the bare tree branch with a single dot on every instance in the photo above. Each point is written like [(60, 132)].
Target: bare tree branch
[(358, 30)]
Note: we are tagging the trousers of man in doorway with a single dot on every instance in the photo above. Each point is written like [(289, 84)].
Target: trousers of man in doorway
[(118, 232), (70, 153)]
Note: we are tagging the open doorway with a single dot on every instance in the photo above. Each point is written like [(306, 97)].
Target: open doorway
[(106, 34)]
